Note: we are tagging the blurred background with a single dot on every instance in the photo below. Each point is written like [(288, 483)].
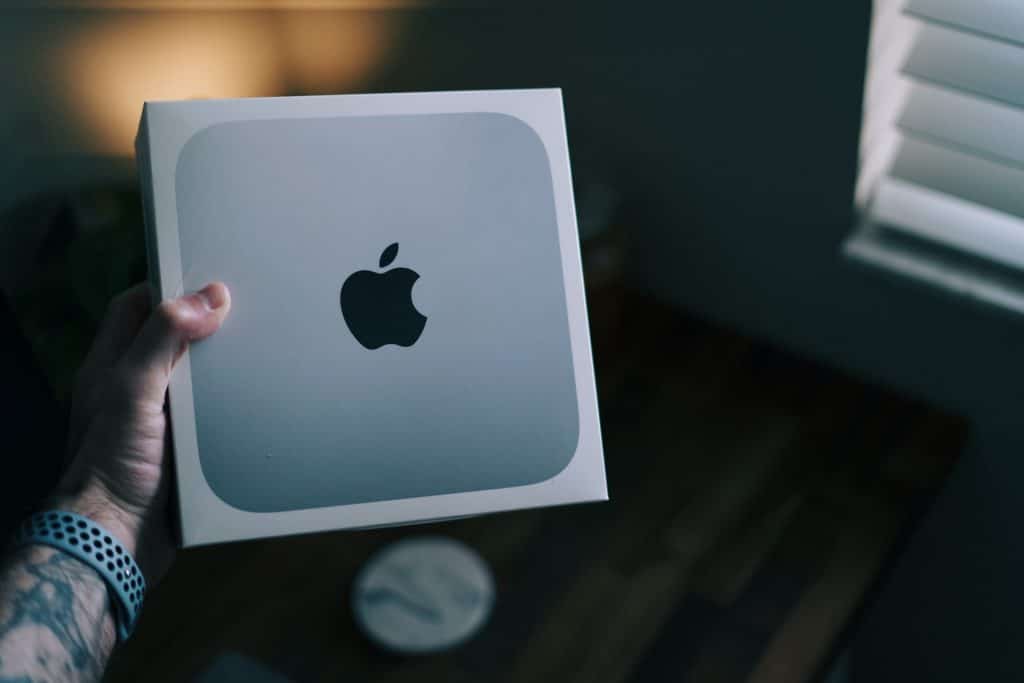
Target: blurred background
[(807, 349)]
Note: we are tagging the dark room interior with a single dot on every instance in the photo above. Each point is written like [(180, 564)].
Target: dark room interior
[(811, 458)]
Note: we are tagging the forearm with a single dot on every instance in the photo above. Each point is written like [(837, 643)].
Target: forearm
[(56, 622), (56, 617)]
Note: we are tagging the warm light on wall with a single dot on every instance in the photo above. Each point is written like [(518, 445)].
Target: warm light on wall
[(333, 52), (190, 5), (112, 65)]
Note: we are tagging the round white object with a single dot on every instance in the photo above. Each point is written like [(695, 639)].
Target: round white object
[(423, 595)]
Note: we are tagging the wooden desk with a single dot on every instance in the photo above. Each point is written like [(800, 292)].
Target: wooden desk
[(754, 500)]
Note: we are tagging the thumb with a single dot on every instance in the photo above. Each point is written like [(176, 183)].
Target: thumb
[(165, 335)]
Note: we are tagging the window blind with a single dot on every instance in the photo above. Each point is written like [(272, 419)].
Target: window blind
[(940, 188)]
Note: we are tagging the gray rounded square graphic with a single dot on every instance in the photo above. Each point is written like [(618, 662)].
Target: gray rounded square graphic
[(292, 410)]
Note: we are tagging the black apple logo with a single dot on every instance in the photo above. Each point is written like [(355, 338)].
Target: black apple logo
[(378, 307)]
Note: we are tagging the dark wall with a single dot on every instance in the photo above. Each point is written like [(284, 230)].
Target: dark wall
[(732, 129)]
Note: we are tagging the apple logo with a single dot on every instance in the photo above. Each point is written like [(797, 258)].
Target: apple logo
[(378, 308)]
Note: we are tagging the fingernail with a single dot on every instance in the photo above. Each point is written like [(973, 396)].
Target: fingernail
[(213, 297)]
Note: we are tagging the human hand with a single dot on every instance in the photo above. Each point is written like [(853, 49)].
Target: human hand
[(119, 440)]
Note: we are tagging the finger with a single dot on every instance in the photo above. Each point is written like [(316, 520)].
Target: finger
[(148, 362), (125, 315)]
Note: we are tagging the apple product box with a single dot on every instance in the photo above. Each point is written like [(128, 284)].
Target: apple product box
[(408, 336)]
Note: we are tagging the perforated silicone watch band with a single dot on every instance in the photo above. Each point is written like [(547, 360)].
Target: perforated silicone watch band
[(82, 538)]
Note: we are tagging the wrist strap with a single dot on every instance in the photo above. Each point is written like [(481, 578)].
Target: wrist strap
[(82, 538)]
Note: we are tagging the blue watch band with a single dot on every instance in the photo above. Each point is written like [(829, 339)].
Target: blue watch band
[(82, 538)]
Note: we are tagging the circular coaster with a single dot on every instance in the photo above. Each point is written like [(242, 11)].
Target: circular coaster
[(423, 595)]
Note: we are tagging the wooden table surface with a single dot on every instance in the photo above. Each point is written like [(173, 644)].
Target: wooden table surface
[(755, 498)]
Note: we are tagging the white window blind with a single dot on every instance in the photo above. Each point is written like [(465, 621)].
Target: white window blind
[(940, 189)]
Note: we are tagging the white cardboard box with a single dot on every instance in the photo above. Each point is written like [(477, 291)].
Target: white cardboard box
[(408, 338)]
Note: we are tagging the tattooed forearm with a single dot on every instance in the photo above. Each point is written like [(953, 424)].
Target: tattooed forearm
[(55, 619), (13, 679)]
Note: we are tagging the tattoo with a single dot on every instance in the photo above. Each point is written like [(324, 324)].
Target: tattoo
[(53, 610), (13, 679)]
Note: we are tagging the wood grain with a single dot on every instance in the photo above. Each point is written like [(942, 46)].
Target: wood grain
[(755, 497)]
